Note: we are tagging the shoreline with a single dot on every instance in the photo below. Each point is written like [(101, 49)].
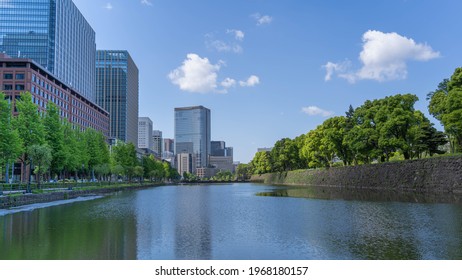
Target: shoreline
[(424, 180), (7, 201)]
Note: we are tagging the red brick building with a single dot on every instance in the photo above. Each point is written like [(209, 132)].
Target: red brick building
[(18, 75)]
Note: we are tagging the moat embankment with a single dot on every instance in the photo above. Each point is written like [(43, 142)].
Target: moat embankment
[(426, 180), (9, 201)]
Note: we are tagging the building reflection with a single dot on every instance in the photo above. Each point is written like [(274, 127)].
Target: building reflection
[(192, 224)]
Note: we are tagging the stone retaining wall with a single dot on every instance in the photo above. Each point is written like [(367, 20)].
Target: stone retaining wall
[(442, 175)]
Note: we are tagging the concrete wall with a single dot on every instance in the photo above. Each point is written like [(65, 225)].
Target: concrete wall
[(427, 176)]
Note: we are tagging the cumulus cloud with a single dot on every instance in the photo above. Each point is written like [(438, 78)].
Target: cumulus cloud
[(146, 2), (384, 57), (199, 75), (238, 34), (262, 19), (228, 82), (251, 81), (316, 111), (196, 74)]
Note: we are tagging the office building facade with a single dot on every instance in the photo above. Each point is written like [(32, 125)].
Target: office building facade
[(217, 148), (54, 34), (192, 133), (21, 75), (144, 133), (157, 142), (186, 163), (117, 92)]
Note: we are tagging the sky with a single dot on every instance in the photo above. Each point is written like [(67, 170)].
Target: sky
[(270, 69)]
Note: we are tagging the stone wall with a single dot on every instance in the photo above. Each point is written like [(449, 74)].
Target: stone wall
[(442, 175)]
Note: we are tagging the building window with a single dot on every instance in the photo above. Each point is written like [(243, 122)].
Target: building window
[(19, 76), (19, 87), (8, 76), (7, 87)]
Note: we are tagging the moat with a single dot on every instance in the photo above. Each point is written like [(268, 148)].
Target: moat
[(230, 221)]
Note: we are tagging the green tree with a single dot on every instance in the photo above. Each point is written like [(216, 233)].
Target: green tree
[(72, 152), (54, 136), (335, 130), (261, 163), (446, 106), (243, 172), (285, 155), (10, 143), (125, 155), (97, 149), (318, 151), (30, 127), (138, 172), (41, 157)]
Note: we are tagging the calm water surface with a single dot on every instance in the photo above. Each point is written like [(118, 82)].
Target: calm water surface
[(230, 222)]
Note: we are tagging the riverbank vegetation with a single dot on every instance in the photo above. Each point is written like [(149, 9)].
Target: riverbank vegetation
[(377, 131), (56, 150)]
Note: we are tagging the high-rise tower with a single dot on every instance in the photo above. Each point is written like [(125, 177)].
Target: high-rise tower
[(117, 92), (54, 34), (192, 133)]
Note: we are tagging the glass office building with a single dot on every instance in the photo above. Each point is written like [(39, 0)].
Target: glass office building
[(54, 34), (117, 92), (192, 133)]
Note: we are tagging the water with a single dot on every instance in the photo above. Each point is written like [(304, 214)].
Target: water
[(230, 222)]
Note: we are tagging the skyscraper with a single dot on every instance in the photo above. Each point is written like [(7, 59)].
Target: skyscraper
[(54, 34), (117, 92), (192, 133), (157, 142), (144, 133), (218, 148)]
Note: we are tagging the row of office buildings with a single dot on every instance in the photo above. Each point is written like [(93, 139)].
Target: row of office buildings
[(192, 150), (48, 48)]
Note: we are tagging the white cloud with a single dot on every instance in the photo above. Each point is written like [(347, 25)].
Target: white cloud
[(196, 74), (251, 81), (331, 68), (384, 57), (225, 46), (146, 2), (228, 82), (238, 34), (261, 20), (316, 111), (108, 6), (222, 46)]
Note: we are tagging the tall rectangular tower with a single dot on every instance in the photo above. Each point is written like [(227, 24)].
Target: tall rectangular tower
[(157, 142), (192, 133), (117, 92), (54, 34), (144, 133)]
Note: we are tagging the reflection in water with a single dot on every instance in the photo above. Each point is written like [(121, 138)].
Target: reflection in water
[(72, 231), (192, 224), (231, 222)]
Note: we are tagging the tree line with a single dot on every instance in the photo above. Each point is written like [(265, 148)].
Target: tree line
[(376, 131), (54, 150)]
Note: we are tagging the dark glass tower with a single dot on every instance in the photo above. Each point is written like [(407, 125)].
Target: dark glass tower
[(117, 93), (192, 133), (54, 34)]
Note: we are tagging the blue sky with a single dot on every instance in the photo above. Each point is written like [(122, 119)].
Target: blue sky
[(271, 69)]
